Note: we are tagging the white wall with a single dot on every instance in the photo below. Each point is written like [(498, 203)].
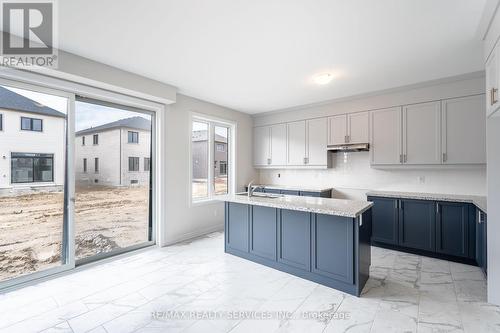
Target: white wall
[(183, 220)]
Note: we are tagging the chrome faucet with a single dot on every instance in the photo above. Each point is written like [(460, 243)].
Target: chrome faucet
[(251, 188)]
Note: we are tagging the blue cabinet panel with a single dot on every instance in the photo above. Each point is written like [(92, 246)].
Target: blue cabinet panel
[(452, 229), (333, 235), (263, 229), (237, 226), (289, 192), (417, 224), (294, 244), (385, 220)]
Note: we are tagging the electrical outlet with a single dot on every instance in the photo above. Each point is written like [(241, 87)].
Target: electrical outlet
[(279, 175)]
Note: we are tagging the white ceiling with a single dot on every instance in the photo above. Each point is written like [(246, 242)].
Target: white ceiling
[(260, 55)]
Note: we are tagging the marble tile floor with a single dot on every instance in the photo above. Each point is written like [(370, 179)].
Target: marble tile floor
[(196, 287)]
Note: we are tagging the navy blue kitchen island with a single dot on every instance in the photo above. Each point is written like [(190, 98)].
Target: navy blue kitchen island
[(323, 240)]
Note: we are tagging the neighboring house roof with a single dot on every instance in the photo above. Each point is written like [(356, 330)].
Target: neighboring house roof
[(202, 136), (133, 122), (10, 100)]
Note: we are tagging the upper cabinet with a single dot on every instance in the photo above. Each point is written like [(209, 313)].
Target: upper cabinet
[(358, 127), (317, 142), (278, 145), (262, 146), (337, 130), (431, 133), (296, 144), (348, 128), (270, 145), (492, 82), (386, 136), (421, 133), (463, 130)]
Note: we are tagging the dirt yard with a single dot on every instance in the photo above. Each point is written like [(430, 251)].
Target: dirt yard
[(31, 226)]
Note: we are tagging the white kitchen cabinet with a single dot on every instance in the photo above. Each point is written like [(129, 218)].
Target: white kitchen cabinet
[(386, 136), (337, 130), (422, 133), (492, 81), (262, 146), (358, 125), (317, 142), (463, 133), (278, 145), (297, 143)]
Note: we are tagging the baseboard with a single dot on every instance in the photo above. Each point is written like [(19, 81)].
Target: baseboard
[(194, 234)]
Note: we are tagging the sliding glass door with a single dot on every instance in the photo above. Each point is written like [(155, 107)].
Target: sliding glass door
[(112, 178), (76, 179), (33, 187)]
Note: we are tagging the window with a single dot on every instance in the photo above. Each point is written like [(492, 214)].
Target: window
[(83, 140), (210, 158), (95, 139), (85, 165), (32, 168), (220, 147), (147, 164), (1, 122), (96, 165), (31, 124), (133, 137), (133, 164), (223, 168)]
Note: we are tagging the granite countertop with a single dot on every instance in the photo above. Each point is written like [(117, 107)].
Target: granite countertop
[(479, 201), (294, 187), (337, 207)]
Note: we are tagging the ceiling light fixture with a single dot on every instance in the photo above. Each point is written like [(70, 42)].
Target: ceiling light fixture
[(323, 78)]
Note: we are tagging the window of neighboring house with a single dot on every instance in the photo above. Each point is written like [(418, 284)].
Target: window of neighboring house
[(31, 124), (147, 164), (83, 140), (133, 164), (133, 137), (95, 139), (1, 122), (85, 165), (32, 168), (221, 147), (223, 168), (209, 157), (96, 165)]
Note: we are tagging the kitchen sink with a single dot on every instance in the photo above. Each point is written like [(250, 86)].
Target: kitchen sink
[(262, 195)]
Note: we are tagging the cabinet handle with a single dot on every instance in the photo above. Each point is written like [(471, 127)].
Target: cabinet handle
[(348, 138), (404, 158), (305, 160), (345, 138), (479, 217), (493, 96), (268, 161), (445, 157), (361, 220), (437, 208), (396, 204)]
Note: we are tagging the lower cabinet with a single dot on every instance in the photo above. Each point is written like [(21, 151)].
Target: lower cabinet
[(294, 238), (333, 234), (237, 223), (445, 229), (263, 228), (417, 224), (452, 229)]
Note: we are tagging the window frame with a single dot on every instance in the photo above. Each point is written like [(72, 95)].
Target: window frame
[(32, 156), (95, 139), (85, 165), (1, 122), (136, 134), (31, 124), (148, 164), (83, 140), (134, 159), (231, 157), (96, 165)]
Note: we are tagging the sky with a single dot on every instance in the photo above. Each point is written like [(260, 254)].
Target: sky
[(87, 115)]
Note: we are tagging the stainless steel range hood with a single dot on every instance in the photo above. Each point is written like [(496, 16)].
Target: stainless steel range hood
[(349, 147)]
